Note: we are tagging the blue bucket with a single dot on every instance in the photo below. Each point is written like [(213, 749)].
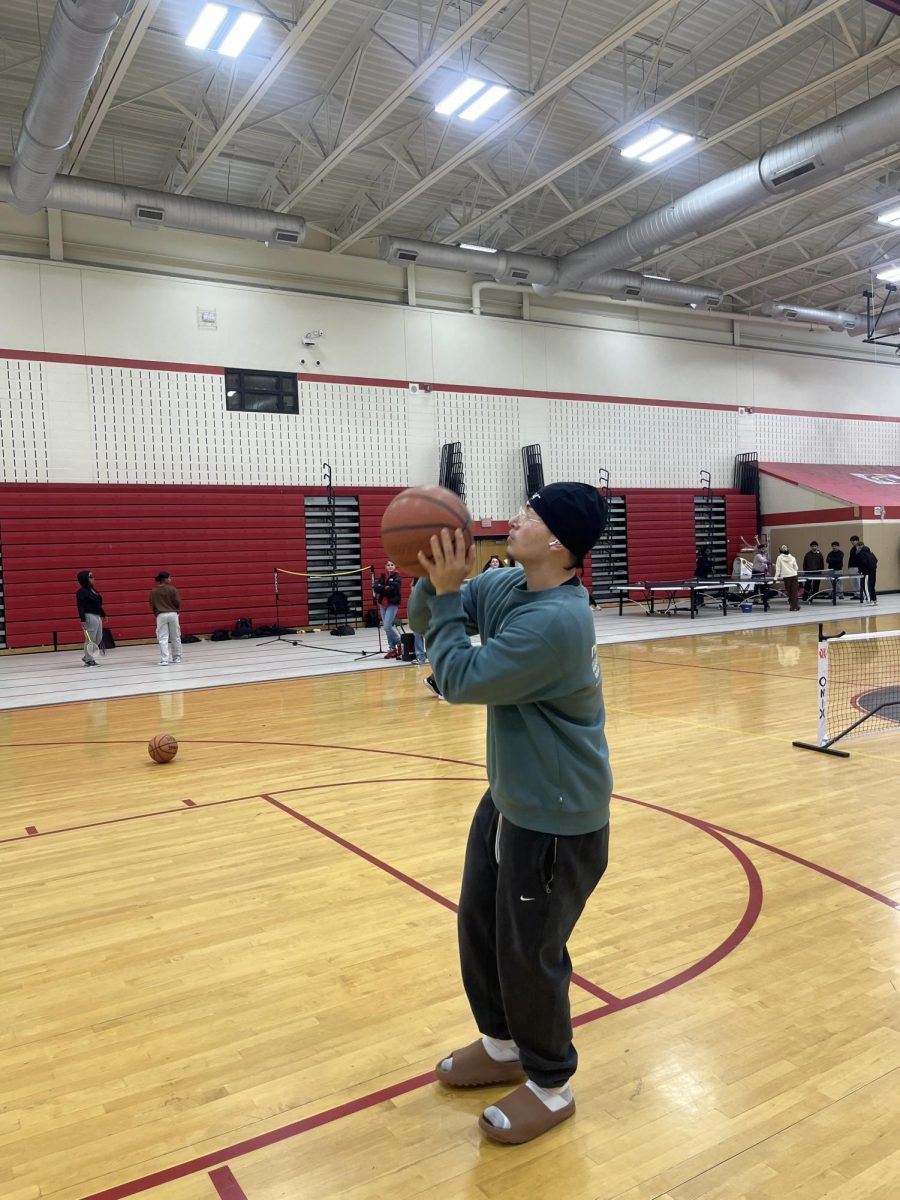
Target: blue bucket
[(747, 608)]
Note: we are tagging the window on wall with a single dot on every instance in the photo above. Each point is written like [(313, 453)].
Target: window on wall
[(261, 391)]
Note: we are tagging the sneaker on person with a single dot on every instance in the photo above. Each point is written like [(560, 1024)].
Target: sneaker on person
[(432, 686), (163, 662)]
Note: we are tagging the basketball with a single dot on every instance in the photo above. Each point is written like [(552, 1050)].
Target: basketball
[(413, 517), (162, 748)]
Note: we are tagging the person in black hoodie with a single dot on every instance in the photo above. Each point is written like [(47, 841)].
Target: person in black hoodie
[(868, 565), (90, 614), (387, 593)]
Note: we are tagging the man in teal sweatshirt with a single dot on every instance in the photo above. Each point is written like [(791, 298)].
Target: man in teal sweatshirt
[(539, 840)]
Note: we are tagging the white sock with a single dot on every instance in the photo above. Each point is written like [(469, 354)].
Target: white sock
[(553, 1098), (496, 1048), (500, 1049)]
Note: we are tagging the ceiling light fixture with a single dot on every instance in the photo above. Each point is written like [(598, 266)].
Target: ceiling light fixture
[(890, 275), (656, 144), (485, 101), (240, 34), (674, 143), (480, 249), (647, 142), (890, 218), (206, 26), (458, 97)]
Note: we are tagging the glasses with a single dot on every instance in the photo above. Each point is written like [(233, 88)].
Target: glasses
[(526, 513)]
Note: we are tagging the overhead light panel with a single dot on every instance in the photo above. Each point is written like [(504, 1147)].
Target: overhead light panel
[(647, 142), (890, 218), (890, 275), (485, 101), (480, 249), (240, 34), (665, 148), (459, 96), (656, 144), (206, 26)]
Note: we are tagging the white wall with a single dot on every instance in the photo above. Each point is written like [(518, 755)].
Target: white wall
[(91, 423)]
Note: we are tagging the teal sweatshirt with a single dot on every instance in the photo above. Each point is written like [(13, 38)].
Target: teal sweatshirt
[(537, 672)]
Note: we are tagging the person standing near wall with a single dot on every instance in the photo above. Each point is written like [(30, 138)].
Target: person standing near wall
[(90, 614), (834, 560), (868, 564), (786, 571), (166, 605), (388, 591), (853, 565), (812, 561)]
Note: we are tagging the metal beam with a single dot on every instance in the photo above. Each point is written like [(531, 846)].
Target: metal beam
[(756, 251), (530, 105), (769, 211), (462, 35), (835, 252), (814, 287), (281, 59), (629, 126), (110, 80)]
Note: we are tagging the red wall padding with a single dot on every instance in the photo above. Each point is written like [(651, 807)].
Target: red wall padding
[(661, 531), (220, 544)]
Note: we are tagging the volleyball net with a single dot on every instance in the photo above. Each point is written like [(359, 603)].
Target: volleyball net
[(858, 688)]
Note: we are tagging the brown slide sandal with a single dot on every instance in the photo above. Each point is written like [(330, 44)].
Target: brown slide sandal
[(528, 1116), (474, 1067)]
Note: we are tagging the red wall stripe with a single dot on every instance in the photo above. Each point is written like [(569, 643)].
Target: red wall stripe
[(463, 389), (813, 516)]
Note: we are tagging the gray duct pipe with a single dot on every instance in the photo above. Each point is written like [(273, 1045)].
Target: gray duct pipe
[(160, 210), (503, 266), (525, 269), (834, 319), (78, 37), (629, 285), (801, 162), (888, 322)]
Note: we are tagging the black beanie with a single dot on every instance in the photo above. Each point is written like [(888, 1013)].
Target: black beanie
[(575, 513)]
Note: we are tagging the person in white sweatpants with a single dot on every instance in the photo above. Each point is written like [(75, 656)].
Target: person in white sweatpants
[(166, 605)]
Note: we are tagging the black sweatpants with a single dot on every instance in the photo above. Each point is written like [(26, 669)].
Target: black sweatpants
[(867, 586), (522, 893)]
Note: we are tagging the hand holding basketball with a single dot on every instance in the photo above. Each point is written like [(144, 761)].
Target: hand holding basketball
[(415, 516), (448, 561)]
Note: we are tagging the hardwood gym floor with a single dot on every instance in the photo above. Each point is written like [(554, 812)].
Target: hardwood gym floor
[(231, 976)]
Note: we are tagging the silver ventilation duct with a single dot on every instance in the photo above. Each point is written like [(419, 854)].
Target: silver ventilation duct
[(78, 37), (801, 162), (502, 265), (888, 322), (839, 321), (629, 285), (160, 210), (530, 269)]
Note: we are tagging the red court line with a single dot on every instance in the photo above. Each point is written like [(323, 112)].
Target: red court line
[(226, 1185), (167, 812), (262, 1140), (458, 762), (805, 862), (593, 988)]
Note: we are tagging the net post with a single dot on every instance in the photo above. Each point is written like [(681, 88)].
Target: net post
[(822, 722)]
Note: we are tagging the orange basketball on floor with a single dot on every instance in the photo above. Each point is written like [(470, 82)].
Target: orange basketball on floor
[(162, 748), (412, 518)]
